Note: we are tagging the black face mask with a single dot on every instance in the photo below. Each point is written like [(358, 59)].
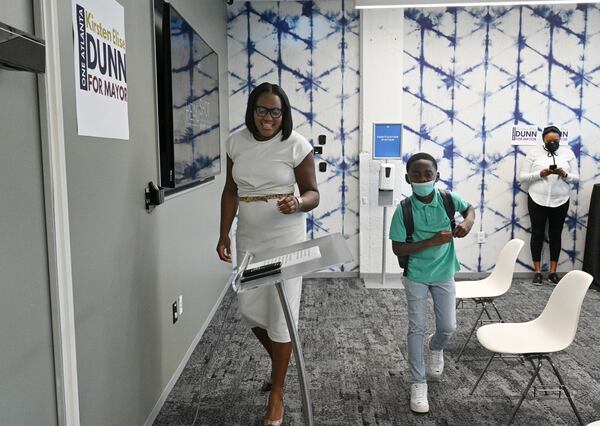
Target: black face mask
[(552, 147)]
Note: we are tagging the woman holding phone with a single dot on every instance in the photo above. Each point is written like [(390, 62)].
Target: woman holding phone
[(548, 172)]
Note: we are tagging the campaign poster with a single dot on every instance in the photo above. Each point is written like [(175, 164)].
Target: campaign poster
[(100, 69)]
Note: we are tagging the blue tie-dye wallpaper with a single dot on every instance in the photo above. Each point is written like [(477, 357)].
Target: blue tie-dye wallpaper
[(311, 50), (470, 74)]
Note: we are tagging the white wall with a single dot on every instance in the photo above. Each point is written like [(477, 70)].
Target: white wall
[(381, 67)]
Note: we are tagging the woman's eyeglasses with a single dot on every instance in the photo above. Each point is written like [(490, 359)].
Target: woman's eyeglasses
[(262, 111)]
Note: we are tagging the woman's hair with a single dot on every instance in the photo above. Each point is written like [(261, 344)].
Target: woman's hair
[(551, 129), (420, 156), (286, 117)]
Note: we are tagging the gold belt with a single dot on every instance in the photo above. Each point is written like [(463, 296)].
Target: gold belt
[(264, 198)]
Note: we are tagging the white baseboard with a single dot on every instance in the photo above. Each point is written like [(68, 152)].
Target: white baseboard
[(331, 274), (375, 283), (377, 276), (167, 390)]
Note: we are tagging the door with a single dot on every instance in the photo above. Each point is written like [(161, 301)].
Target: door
[(27, 381)]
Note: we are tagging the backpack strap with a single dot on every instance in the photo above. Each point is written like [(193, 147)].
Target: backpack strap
[(407, 217), (449, 207), (409, 225)]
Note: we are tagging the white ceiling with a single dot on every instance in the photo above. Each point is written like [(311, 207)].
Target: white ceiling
[(365, 4)]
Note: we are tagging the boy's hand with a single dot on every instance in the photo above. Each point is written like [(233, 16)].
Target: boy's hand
[(442, 237), (463, 228)]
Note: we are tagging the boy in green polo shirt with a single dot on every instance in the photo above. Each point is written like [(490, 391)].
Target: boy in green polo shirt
[(432, 264)]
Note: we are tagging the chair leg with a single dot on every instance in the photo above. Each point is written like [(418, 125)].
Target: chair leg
[(564, 387), (497, 311), (487, 313), (470, 333), (538, 375), (524, 394), (483, 372)]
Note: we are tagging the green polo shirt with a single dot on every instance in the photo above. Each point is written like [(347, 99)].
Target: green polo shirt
[(437, 263)]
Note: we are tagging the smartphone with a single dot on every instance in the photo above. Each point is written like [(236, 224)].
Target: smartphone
[(261, 269), (260, 275), (552, 167)]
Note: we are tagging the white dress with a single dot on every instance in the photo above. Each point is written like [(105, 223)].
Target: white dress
[(264, 168)]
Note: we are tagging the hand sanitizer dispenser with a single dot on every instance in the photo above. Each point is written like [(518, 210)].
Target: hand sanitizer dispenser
[(386, 177)]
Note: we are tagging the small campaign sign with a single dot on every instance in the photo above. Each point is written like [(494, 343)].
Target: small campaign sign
[(530, 135)]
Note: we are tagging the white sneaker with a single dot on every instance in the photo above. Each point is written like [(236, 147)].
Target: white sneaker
[(418, 398), (435, 368)]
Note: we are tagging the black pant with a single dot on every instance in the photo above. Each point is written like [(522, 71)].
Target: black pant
[(556, 217)]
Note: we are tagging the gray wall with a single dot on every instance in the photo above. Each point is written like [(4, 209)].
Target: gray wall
[(128, 265), (27, 392)]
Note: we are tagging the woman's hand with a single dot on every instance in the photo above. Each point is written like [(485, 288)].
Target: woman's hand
[(545, 172), (288, 204), (224, 248), (559, 171)]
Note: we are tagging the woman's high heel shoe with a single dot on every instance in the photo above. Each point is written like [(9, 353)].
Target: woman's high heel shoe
[(279, 421)]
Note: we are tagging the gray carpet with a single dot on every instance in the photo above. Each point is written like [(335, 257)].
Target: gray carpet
[(354, 343)]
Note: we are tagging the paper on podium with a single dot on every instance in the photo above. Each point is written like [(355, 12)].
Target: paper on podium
[(290, 259)]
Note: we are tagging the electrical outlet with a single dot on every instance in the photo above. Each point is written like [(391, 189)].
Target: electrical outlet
[(364, 201), (180, 301), (175, 312), (481, 237)]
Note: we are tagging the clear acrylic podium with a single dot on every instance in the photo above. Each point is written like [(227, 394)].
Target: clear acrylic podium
[(334, 251)]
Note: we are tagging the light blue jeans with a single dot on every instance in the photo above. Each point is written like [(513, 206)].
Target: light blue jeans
[(444, 306)]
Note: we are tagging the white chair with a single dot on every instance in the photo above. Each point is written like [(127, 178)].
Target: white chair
[(483, 292), (535, 340)]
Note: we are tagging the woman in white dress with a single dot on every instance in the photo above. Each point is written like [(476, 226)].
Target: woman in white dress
[(265, 161)]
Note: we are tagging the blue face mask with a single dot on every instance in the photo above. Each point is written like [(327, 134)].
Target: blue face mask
[(423, 189)]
